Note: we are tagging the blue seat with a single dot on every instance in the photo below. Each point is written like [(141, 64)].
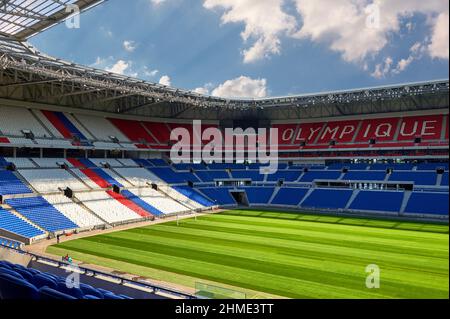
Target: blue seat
[(42, 213), (194, 195), (15, 288), (90, 297), (89, 290), (46, 293), (112, 296), (74, 292), (28, 276), (42, 280), (290, 196), (386, 201), (328, 198), (259, 195), (11, 272), (6, 264)]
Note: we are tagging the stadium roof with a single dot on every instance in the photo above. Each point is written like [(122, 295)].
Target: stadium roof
[(21, 19), (29, 75)]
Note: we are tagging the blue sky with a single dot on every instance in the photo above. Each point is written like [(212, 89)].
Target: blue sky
[(249, 48)]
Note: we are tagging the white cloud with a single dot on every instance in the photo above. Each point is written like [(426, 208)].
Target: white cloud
[(129, 46), (357, 29), (416, 52), (157, 2), (360, 28), (201, 90), (265, 22), (119, 67), (242, 87), (149, 73), (439, 46), (383, 69), (165, 80)]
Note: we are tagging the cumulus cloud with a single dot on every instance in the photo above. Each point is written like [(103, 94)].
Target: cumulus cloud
[(382, 69), (120, 66), (439, 46), (242, 87), (265, 22), (149, 73), (201, 90), (156, 2), (129, 45), (357, 29), (165, 80)]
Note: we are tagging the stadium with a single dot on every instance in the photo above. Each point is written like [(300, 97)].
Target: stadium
[(96, 185)]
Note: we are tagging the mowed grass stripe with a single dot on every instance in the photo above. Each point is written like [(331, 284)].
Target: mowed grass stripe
[(305, 235), (288, 287), (277, 247), (270, 257), (354, 221), (293, 266), (343, 229)]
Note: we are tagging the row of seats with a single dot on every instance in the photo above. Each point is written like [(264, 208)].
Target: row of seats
[(8, 243), (425, 203), (18, 282), (42, 213), (11, 185), (14, 224)]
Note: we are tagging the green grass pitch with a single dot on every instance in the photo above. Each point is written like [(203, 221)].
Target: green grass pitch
[(281, 254)]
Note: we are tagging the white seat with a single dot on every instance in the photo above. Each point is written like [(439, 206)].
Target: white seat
[(15, 119), (164, 204), (21, 162), (139, 177), (76, 213), (107, 207), (52, 180), (101, 128)]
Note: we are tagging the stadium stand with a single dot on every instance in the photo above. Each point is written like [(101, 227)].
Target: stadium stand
[(335, 199), (41, 213), (11, 185), (18, 282), (8, 243), (52, 180), (14, 224), (106, 207), (170, 176), (419, 178), (287, 176), (259, 195), (252, 175), (76, 213), (210, 175), (162, 203), (324, 175), (221, 195), (194, 195), (428, 203), (365, 176), (378, 201), (289, 196)]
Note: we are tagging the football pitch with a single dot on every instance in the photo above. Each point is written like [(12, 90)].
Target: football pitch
[(267, 254)]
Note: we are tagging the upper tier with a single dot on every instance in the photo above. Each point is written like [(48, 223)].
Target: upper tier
[(51, 129)]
